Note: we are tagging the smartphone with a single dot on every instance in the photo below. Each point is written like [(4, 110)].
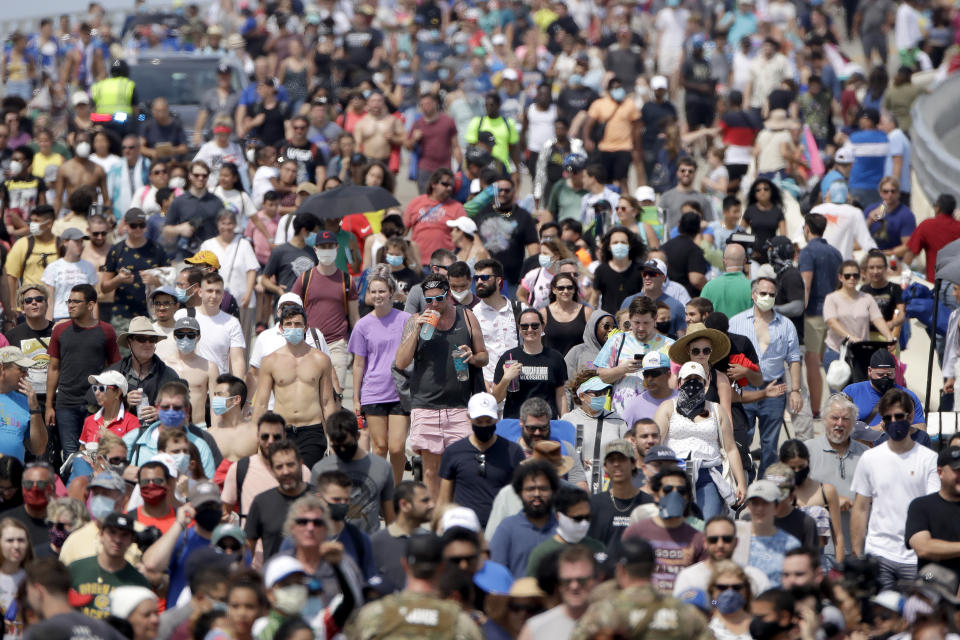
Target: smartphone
[(638, 356)]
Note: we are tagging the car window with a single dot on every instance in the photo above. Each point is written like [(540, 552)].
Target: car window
[(180, 82)]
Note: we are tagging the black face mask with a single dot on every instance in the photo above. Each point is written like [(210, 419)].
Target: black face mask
[(484, 433), (799, 477), (691, 398), (663, 327), (760, 629), (346, 452), (208, 519), (882, 384), (338, 512)]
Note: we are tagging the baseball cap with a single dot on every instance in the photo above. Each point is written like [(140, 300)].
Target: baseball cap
[(206, 257), (112, 378), (660, 453), (108, 480), (487, 138), (594, 383), (204, 492), (655, 264), (476, 155), (782, 476), (691, 368), (134, 214), (72, 233), (882, 359), (483, 405), (765, 490), (13, 355), (574, 162), (465, 224), (124, 599), (281, 567), (623, 447), (889, 599), (223, 67), (658, 82), (290, 298), (424, 548), (186, 322), (645, 193), (635, 551), (79, 97), (655, 360), (949, 456), (462, 517), (326, 237), (164, 289), (843, 156), (228, 531), (602, 205), (509, 74), (117, 520)]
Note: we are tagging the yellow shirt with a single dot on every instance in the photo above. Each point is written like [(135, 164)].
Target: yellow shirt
[(62, 224), (43, 253), (85, 542), (41, 162)]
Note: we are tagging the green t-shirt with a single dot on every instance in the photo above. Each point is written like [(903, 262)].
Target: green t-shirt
[(89, 578), (564, 201), (504, 131), (551, 545)]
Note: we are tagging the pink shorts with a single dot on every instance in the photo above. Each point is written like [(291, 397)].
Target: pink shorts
[(433, 430)]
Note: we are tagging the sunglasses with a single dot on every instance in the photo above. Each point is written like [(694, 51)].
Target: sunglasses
[(537, 428), (59, 526), (654, 373), (137, 225), (716, 539), (670, 488), (738, 587), (99, 234), (316, 522), (482, 277), (32, 299), (69, 302), (697, 351), (203, 176), (267, 437), (582, 581), (455, 560), (180, 335), (481, 459), (117, 460), (36, 484), (894, 417), (445, 184), (562, 288), (230, 545), (651, 274), (850, 276), (529, 326), (432, 299), (170, 407), (101, 388), (143, 339), (146, 482)]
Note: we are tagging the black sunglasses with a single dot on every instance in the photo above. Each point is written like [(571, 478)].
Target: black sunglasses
[(669, 488), (180, 335), (738, 587), (32, 299), (716, 539), (562, 288), (155, 481), (229, 545), (894, 417), (137, 225), (527, 326), (265, 437), (850, 276), (316, 522), (705, 351), (481, 459)]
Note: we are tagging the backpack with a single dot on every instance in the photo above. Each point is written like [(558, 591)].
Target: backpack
[(243, 465), (305, 284), (31, 243)]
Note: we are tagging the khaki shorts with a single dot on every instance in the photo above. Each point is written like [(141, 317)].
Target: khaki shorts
[(433, 430), (814, 334)]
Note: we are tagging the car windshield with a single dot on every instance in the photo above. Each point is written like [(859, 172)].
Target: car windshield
[(180, 82)]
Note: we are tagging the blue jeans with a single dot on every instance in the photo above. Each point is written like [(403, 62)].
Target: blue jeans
[(769, 413), (708, 496), (70, 424)]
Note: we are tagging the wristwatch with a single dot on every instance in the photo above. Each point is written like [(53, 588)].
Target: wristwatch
[(38, 412)]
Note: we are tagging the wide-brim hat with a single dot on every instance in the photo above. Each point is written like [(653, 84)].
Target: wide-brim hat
[(139, 326), (777, 120), (552, 452), (697, 331)]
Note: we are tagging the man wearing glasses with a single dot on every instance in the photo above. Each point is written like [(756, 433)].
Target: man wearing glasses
[(32, 336), (22, 414), (192, 217), (722, 541), (123, 270)]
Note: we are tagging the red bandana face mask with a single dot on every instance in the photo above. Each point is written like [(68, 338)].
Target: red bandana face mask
[(153, 494)]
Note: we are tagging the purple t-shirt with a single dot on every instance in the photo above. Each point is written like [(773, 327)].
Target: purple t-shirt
[(642, 406), (377, 340)]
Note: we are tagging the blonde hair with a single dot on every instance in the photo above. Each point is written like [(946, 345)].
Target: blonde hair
[(729, 566)]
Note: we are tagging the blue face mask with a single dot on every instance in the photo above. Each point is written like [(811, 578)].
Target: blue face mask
[(672, 505), (729, 601), (403, 63), (182, 294), (100, 507), (394, 261), (898, 430), (545, 261), (597, 403), (186, 345), (171, 417), (620, 251), (311, 240), (576, 80), (293, 335), (443, 73), (219, 405), (618, 94)]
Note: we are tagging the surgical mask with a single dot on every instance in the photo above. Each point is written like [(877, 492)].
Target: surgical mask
[(182, 460), (545, 261), (83, 150), (760, 629), (691, 398), (597, 403), (484, 433), (182, 294), (291, 599), (394, 261), (570, 530), (618, 94), (219, 405), (15, 167), (403, 63), (338, 511), (326, 256), (311, 239), (765, 303), (251, 155), (293, 335), (883, 384), (186, 345), (729, 601), (347, 452), (460, 296), (663, 327), (171, 417), (178, 182), (672, 505), (576, 80), (443, 73), (208, 518), (99, 506), (620, 250), (898, 430), (36, 228)]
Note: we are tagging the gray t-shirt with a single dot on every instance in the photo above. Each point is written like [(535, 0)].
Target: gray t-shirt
[(372, 479), (875, 15), (672, 200)]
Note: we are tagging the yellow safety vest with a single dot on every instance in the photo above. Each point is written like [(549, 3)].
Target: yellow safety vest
[(113, 94)]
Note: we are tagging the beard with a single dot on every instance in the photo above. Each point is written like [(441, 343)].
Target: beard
[(485, 291), (536, 510)]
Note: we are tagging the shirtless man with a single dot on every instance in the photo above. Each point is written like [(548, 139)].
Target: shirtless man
[(301, 379), (378, 130), (95, 252), (199, 373), (80, 171), (236, 437)]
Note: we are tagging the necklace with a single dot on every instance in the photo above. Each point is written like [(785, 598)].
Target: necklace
[(629, 507)]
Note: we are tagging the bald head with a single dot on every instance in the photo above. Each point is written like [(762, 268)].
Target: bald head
[(734, 257)]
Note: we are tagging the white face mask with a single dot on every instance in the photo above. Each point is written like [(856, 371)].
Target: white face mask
[(290, 599), (460, 296), (326, 257), (178, 182), (83, 149), (571, 531), (36, 228), (15, 167), (251, 155), (765, 303)]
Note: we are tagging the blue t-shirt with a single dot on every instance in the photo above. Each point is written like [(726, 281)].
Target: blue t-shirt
[(870, 149), (14, 424), (187, 544), (895, 226), (824, 261), (767, 553), (866, 397), (899, 146)]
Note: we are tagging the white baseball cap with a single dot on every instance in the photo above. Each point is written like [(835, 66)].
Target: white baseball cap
[(289, 297), (655, 360), (465, 224), (510, 74), (483, 404), (691, 368), (463, 517), (79, 97), (658, 82), (844, 155), (281, 567), (645, 193), (112, 378), (498, 39)]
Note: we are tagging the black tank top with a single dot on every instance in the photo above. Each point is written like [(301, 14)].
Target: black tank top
[(563, 336), (434, 383)]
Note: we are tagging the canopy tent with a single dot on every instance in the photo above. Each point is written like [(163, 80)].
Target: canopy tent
[(948, 270)]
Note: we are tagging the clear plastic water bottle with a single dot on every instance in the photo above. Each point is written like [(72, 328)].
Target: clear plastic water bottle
[(905, 277), (144, 402), (515, 383)]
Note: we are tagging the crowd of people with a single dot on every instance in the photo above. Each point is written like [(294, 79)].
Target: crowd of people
[(623, 360)]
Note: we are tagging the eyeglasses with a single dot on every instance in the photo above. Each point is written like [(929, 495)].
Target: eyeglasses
[(37, 299), (145, 482), (36, 484), (455, 560), (230, 545), (432, 299), (71, 301), (162, 304), (529, 326), (137, 225), (851, 276), (267, 437), (170, 407), (482, 277), (101, 388), (697, 351), (583, 581), (670, 488), (202, 176), (654, 373), (894, 417), (481, 459), (564, 287), (716, 539), (143, 339), (445, 184), (316, 522), (116, 461), (537, 428), (180, 335), (738, 587), (99, 234)]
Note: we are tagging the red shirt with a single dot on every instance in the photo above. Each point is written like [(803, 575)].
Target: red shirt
[(932, 235), (427, 220), (436, 144), (92, 425)]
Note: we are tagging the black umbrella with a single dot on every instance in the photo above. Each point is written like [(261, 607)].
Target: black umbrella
[(345, 200)]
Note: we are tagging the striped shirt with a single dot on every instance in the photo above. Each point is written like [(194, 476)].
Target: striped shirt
[(784, 346)]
